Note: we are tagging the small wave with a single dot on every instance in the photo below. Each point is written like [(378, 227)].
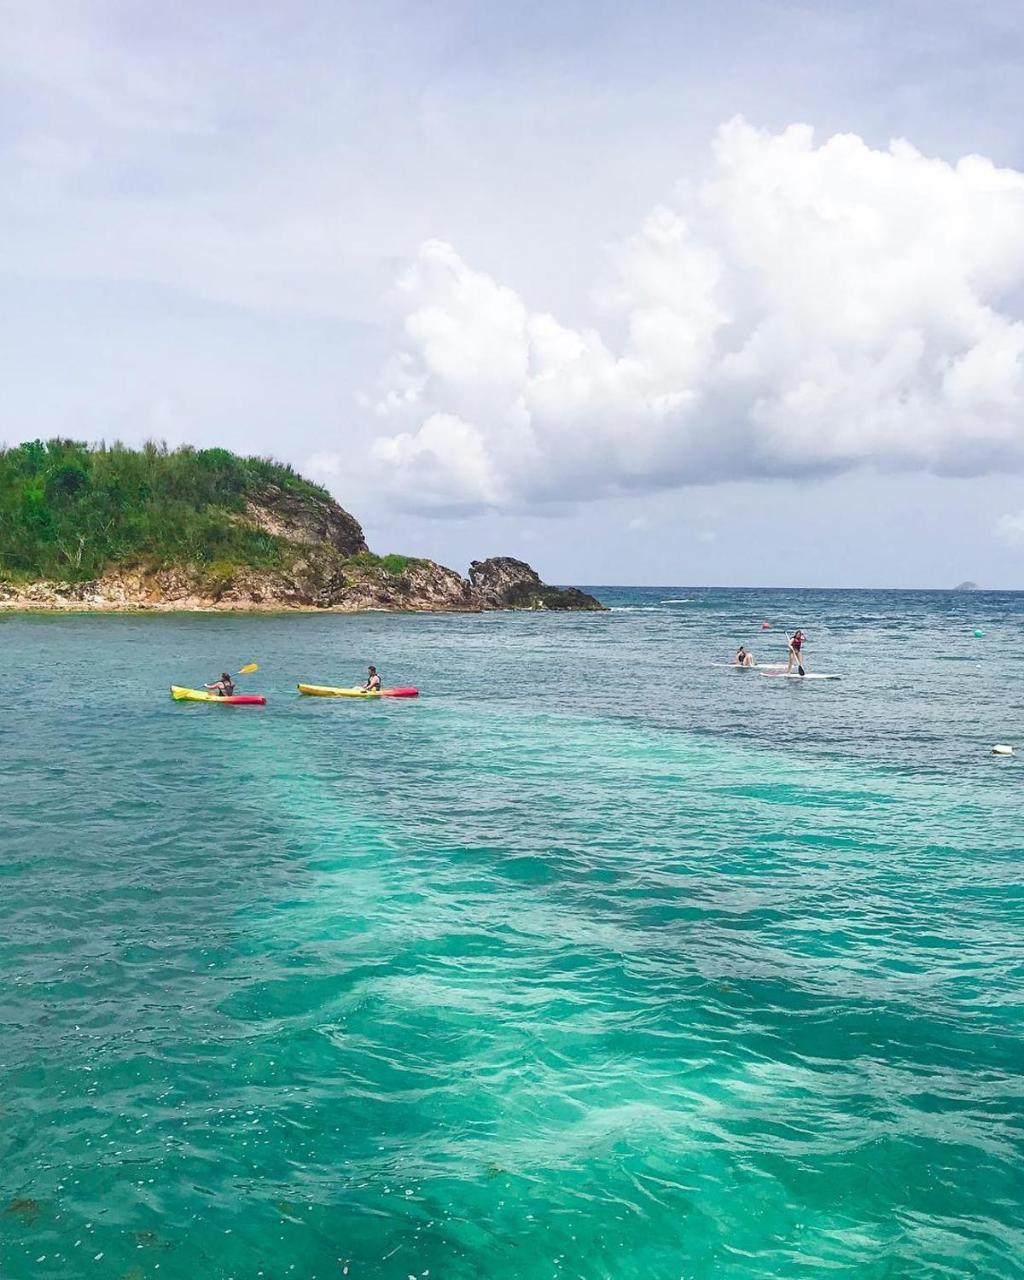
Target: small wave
[(677, 600), (636, 608)]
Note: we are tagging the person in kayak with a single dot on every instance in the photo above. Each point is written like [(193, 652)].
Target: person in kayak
[(743, 658), (796, 644), (224, 687), (372, 684)]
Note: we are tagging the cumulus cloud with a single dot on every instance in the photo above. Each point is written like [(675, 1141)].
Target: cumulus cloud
[(808, 309), (1010, 529)]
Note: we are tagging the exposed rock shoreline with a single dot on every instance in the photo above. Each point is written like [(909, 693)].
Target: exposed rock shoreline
[(265, 541), (320, 579)]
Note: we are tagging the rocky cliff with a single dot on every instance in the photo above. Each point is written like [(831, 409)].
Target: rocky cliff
[(317, 579), (304, 519), (116, 528)]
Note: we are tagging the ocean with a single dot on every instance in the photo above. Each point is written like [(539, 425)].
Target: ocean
[(598, 960)]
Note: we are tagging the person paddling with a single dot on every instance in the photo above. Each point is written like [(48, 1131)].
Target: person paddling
[(372, 684), (743, 658), (796, 644), (224, 687)]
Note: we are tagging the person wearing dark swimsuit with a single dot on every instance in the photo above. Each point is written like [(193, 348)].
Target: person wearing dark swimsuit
[(372, 684), (224, 687)]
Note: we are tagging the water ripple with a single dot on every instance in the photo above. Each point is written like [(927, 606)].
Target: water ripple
[(543, 976)]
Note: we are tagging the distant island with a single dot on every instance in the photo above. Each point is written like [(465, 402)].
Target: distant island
[(110, 527), (967, 586)]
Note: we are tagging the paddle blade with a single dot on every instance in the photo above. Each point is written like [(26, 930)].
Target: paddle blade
[(249, 668)]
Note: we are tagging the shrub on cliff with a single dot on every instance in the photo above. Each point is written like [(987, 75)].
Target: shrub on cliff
[(69, 512)]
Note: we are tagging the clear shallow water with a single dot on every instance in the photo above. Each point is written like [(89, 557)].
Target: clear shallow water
[(595, 961)]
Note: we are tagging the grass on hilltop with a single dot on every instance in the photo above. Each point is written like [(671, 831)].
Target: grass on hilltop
[(68, 511)]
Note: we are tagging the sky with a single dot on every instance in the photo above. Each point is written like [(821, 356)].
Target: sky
[(668, 293)]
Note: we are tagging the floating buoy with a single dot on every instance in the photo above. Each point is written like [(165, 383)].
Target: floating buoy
[(978, 633), (1000, 749)]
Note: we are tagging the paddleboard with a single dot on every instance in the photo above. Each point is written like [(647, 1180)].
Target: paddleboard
[(795, 675), (758, 666)]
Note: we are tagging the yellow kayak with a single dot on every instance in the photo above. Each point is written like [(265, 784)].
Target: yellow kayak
[(201, 695), (327, 691)]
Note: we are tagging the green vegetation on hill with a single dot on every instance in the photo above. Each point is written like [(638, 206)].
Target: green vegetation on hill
[(69, 512), (390, 564)]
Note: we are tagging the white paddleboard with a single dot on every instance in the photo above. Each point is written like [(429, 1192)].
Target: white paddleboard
[(758, 666), (795, 675)]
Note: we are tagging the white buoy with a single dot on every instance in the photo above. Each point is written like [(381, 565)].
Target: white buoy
[(1000, 749)]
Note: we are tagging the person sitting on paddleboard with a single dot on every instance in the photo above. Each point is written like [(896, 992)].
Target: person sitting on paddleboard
[(373, 683), (744, 659), (796, 644), (224, 687)]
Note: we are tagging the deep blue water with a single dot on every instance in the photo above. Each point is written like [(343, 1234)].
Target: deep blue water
[(597, 960)]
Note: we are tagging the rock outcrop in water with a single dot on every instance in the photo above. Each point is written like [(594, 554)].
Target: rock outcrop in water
[(504, 583), (154, 529)]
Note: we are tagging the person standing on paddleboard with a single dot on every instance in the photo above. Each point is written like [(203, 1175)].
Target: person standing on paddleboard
[(796, 644)]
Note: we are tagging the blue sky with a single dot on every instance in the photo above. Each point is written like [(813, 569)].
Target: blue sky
[(563, 280)]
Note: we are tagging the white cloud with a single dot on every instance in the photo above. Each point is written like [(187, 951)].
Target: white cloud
[(810, 309), (1010, 529), (323, 466), (451, 458)]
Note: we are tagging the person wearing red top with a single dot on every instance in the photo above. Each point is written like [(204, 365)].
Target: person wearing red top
[(796, 644)]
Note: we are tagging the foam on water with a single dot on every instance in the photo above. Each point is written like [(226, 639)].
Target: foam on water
[(554, 972)]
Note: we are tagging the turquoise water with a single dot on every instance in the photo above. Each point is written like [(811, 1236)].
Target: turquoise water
[(597, 960)]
